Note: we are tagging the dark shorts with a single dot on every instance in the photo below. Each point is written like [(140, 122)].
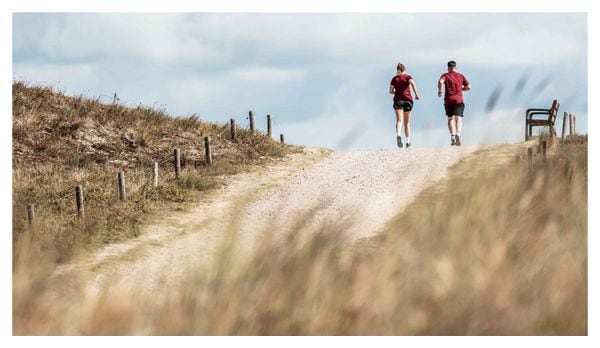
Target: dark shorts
[(455, 109), (405, 105)]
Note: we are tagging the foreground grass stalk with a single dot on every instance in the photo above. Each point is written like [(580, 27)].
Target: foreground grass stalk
[(501, 252)]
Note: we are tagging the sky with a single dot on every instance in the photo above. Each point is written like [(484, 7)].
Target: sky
[(323, 76)]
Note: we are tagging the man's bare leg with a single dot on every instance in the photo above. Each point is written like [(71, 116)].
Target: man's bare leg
[(451, 128), (451, 125), (458, 128)]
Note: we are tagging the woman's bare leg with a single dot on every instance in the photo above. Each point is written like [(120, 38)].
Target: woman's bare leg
[(407, 124), (399, 116)]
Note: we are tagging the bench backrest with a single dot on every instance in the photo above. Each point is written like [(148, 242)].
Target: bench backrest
[(553, 112)]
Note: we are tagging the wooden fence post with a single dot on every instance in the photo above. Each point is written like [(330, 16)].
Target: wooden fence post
[(281, 138), (155, 174), (79, 201), (544, 150), (232, 128), (31, 215), (570, 124), (207, 150), (269, 125), (530, 156), (251, 118), (122, 193), (177, 162), (564, 125)]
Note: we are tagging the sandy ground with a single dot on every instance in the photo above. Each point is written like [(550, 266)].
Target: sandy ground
[(363, 189)]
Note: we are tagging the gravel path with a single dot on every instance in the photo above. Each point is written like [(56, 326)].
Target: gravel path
[(364, 189)]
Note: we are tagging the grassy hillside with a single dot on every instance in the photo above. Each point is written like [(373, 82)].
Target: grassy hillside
[(500, 251), (60, 141)]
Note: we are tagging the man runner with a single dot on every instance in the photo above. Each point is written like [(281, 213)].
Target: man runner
[(455, 83)]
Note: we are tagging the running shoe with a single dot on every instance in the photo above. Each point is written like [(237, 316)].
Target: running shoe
[(407, 145), (399, 139), (453, 141), (457, 140)]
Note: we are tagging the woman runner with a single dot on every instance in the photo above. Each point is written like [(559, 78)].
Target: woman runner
[(403, 101)]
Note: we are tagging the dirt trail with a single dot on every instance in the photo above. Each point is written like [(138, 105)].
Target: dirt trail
[(362, 188)]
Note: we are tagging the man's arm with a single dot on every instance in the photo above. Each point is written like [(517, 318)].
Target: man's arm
[(392, 89), (414, 87), (466, 84), (440, 86)]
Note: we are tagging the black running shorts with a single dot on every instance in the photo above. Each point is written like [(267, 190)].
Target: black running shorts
[(405, 105), (455, 109)]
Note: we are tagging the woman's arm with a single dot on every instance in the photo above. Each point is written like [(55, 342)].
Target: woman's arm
[(414, 87), (392, 89)]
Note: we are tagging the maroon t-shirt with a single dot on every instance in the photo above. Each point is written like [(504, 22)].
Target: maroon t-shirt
[(454, 82), (400, 83)]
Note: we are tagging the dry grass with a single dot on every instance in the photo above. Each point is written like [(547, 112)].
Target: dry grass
[(61, 141), (503, 252)]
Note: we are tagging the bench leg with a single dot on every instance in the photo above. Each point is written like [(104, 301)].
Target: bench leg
[(530, 130), (526, 132)]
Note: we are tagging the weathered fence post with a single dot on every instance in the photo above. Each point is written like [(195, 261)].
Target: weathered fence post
[(122, 193), (207, 150), (79, 201), (570, 124), (530, 156), (155, 174), (30, 215), (574, 125), (251, 118), (281, 138), (177, 162), (232, 128), (544, 150), (269, 125), (564, 126)]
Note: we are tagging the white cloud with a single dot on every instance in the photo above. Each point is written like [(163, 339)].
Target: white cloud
[(502, 125), (216, 38), (481, 39), (243, 83), (342, 133), (73, 76), (348, 120), (266, 75), (159, 38), (509, 47)]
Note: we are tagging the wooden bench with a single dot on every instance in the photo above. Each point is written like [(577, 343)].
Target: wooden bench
[(530, 122)]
